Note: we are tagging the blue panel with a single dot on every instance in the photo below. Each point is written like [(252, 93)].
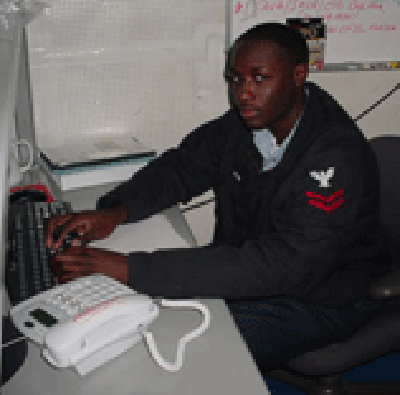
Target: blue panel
[(276, 387), (382, 369)]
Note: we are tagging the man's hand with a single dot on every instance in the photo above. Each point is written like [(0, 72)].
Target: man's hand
[(83, 261), (88, 225)]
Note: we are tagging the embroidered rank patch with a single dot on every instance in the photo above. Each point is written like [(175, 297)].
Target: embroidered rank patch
[(326, 203)]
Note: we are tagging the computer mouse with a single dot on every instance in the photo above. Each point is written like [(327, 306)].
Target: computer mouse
[(27, 195)]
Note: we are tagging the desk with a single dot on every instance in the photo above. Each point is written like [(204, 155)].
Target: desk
[(215, 363)]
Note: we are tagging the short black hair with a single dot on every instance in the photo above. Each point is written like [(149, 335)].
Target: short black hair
[(287, 38)]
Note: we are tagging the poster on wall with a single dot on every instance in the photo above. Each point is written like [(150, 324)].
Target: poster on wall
[(314, 30), (362, 32)]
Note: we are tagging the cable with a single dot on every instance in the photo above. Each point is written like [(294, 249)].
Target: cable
[(197, 205), (149, 338), (378, 102), (18, 339)]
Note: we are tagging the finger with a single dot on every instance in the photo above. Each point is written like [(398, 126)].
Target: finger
[(77, 251), (85, 225), (79, 240), (76, 258), (96, 252), (84, 242), (75, 226), (74, 271), (74, 268), (55, 222), (66, 278), (61, 260), (76, 242)]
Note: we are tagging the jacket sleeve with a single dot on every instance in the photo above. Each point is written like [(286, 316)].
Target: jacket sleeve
[(315, 220), (177, 175)]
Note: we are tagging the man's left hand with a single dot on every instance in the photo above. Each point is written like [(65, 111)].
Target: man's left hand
[(83, 261)]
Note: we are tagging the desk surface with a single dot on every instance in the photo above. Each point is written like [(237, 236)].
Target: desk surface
[(217, 362)]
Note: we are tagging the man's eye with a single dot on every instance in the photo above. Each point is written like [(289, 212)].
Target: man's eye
[(233, 79), (261, 78)]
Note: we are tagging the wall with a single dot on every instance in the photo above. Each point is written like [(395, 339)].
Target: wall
[(357, 91), (175, 79)]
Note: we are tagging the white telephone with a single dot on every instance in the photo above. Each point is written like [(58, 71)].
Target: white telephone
[(89, 321)]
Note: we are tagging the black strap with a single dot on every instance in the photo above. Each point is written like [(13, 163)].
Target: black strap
[(378, 102)]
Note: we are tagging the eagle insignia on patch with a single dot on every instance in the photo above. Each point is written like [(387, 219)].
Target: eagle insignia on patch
[(323, 176), (236, 176)]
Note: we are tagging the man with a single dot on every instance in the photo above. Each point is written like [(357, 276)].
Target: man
[(297, 236)]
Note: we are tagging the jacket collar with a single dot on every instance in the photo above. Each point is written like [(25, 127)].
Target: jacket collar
[(248, 159)]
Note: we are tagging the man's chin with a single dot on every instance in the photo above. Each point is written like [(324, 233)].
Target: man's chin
[(254, 123)]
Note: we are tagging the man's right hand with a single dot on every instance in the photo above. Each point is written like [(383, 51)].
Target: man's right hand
[(89, 225)]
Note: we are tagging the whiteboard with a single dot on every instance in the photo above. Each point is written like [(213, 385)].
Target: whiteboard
[(357, 30)]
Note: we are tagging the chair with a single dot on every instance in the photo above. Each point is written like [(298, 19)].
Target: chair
[(319, 372)]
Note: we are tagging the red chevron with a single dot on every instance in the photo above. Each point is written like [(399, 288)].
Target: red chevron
[(327, 207), (327, 199)]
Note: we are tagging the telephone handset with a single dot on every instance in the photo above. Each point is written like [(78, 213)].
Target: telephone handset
[(86, 322)]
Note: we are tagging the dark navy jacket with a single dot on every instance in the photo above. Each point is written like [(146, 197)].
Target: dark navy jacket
[(307, 229)]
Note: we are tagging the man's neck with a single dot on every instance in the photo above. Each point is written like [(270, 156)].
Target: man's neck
[(283, 130)]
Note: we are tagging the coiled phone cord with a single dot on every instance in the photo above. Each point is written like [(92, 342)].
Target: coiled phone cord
[(149, 338)]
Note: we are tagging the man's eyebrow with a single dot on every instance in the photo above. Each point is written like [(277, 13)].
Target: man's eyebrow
[(259, 68), (253, 69)]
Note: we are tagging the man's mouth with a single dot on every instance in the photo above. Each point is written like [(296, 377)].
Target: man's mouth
[(249, 113)]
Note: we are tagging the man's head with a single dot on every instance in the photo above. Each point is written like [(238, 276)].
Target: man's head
[(266, 69)]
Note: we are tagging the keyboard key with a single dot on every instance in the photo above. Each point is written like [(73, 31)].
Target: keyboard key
[(27, 268)]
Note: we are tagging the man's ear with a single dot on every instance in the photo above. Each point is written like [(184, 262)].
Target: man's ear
[(301, 73)]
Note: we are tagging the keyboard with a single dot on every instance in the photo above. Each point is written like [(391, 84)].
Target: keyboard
[(27, 261)]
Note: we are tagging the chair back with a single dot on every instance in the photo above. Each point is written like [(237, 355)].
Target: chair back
[(387, 150)]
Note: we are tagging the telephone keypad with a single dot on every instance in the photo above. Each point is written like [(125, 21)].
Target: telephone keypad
[(85, 293)]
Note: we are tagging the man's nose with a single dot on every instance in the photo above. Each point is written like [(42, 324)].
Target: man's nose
[(246, 90)]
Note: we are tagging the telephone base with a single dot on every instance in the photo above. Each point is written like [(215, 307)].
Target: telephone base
[(107, 353)]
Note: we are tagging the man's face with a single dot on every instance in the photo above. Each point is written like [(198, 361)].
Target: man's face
[(264, 85)]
